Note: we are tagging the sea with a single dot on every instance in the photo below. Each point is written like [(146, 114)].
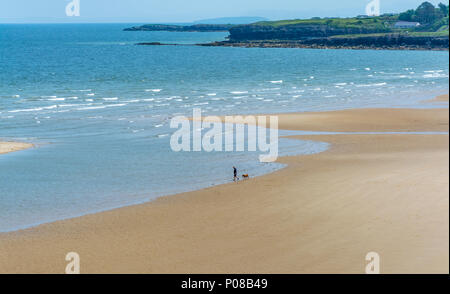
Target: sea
[(98, 109)]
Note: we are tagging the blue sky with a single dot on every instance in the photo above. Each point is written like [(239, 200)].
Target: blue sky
[(188, 10)]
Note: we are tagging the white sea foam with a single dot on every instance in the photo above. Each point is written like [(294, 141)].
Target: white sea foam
[(71, 105), (238, 92), (56, 99), (117, 105), (270, 89), (50, 107), (277, 82), (91, 107), (110, 99), (434, 75), (101, 106), (25, 110), (371, 85), (153, 90), (33, 109)]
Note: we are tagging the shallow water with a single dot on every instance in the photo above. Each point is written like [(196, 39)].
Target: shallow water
[(99, 109)]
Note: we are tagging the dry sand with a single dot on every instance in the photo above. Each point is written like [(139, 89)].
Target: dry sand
[(6, 147), (321, 214)]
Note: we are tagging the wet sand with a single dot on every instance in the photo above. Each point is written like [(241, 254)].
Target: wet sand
[(441, 98), (323, 213), (6, 147)]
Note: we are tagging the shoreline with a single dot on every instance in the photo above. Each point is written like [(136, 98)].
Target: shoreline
[(321, 44), (153, 228), (7, 147), (438, 99)]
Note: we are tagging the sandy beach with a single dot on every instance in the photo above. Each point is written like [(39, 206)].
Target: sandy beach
[(6, 147), (323, 213)]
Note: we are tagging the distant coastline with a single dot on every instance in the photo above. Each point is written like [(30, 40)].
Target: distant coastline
[(426, 28), (179, 28)]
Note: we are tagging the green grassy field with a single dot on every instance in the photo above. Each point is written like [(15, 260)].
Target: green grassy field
[(403, 32), (368, 22), (430, 34)]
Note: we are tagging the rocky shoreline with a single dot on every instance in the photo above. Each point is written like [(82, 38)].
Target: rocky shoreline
[(357, 43), (158, 44)]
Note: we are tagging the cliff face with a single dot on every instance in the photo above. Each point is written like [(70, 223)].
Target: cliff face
[(295, 32), (344, 33), (383, 41)]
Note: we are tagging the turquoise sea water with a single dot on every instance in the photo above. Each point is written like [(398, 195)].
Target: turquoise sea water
[(98, 107)]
